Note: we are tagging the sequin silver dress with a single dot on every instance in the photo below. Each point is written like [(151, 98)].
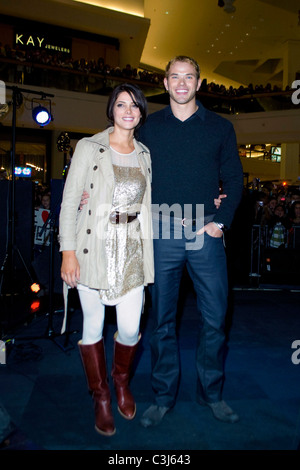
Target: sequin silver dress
[(123, 242)]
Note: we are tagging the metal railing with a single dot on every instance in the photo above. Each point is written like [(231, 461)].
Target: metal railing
[(266, 260)]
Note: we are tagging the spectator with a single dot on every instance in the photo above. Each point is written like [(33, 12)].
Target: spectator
[(295, 213), (268, 210), (278, 226), (294, 234), (260, 207), (46, 201)]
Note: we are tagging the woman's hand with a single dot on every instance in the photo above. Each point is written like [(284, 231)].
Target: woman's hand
[(84, 199), (70, 269)]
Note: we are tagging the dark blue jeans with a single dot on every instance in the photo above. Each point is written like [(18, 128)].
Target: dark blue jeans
[(208, 271)]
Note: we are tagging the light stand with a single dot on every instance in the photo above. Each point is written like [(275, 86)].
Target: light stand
[(12, 250), (9, 258)]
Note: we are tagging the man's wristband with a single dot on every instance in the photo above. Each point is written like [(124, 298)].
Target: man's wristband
[(220, 226)]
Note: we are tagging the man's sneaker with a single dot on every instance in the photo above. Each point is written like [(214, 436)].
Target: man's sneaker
[(153, 415), (222, 411)]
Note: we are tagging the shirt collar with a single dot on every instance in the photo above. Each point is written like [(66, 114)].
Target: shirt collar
[(200, 113)]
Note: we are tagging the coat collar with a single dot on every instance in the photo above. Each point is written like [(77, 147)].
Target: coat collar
[(103, 153), (102, 138)]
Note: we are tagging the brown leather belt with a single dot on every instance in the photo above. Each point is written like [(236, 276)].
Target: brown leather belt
[(122, 218)]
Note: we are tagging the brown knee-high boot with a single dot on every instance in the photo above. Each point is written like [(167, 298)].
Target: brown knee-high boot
[(94, 363), (123, 359)]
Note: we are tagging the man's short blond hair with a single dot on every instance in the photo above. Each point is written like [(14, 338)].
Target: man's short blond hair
[(183, 58)]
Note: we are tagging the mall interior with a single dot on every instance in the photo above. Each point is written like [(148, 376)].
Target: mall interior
[(66, 57)]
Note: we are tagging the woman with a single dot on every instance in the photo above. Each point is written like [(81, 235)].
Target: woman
[(107, 248)]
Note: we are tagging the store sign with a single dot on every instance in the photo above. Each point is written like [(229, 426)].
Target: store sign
[(33, 40)]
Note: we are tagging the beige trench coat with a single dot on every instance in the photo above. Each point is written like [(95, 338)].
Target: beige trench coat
[(84, 231)]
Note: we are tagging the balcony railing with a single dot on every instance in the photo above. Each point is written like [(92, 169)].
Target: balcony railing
[(37, 74), (63, 78)]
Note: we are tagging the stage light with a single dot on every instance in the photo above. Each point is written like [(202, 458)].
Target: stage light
[(41, 116), (35, 305), (35, 287), (40, 113)]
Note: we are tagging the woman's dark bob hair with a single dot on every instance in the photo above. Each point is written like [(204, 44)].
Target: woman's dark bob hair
[(137, 97)]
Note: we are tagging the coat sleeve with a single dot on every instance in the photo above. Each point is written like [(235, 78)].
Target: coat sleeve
[(73, 189)]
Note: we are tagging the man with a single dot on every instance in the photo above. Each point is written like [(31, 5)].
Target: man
[(192, 150)]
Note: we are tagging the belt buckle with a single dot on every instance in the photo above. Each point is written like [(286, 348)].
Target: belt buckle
[(120, 218), (114, 218), (188, 222)]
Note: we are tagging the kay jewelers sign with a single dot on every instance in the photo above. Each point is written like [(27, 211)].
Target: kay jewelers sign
[(25, 40)]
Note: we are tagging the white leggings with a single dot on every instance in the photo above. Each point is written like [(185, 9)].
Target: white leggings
[(128, 316)]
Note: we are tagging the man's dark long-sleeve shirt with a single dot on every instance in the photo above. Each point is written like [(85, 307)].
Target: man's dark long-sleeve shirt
[(190, 158)]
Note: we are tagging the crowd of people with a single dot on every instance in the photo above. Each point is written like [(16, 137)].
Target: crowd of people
[(267, 208), (87, 67), (231, 91), (279, 213), (101, 68)]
